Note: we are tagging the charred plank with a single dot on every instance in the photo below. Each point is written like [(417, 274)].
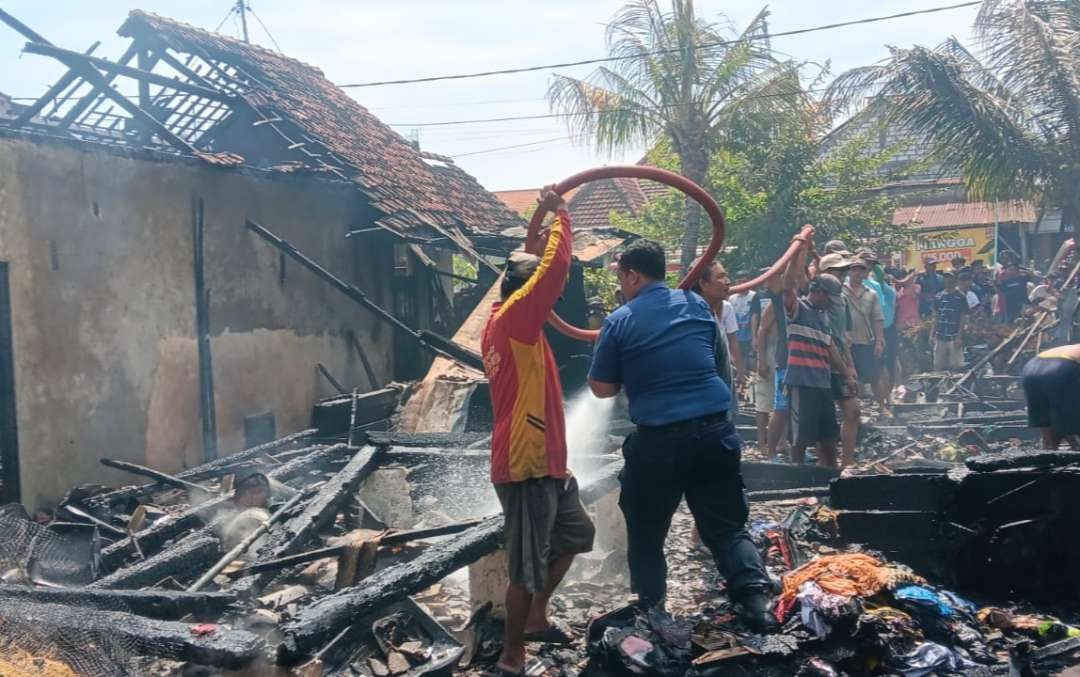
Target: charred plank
[(186, 558), (223, 647), (318, 623), (205, 471), (318, 514), (152, 538), (162, 604), (1021, 459)]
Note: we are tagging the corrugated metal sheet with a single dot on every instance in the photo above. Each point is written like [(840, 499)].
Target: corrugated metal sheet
[(957, 214)]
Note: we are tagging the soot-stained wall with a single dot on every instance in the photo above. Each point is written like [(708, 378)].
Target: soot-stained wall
[(99, 246)]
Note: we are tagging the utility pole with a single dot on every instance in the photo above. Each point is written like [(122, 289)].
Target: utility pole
[(241, 9)]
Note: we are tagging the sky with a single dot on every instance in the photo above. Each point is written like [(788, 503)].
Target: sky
[(367, 40)]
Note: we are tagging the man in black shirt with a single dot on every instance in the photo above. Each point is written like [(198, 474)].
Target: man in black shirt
[(950, 306), (931, 284), (1013, 288)]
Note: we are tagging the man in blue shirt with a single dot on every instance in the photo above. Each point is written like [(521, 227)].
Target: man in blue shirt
[(660, 347)]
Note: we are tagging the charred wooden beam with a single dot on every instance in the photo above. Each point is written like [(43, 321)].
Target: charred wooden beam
[(139, 74), (76, 62), (152, 538), (222, 647), (207, 409), (350, 335), (160, 477), (319, 622), (330, 378), (436, 440), (23, 29), (244, 544), (214, 468), (317, 515), (184, 559), (787, 494), (1021, 459), (65, 81), (333, 551), (163, 604), (432, 342)]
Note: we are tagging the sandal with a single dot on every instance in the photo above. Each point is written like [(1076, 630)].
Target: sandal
[(553, 634)]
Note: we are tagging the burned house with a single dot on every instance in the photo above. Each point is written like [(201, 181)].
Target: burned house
[(138, 305)]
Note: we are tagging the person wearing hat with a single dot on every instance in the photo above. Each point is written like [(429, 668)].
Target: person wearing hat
[(838, 322), (545, 522), (812, 357), (660, 347), (866, 334)]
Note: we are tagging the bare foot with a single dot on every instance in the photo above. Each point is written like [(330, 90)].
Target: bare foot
[(513, 663)]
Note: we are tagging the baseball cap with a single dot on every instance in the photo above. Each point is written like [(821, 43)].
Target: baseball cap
[(835, 246), (827, 283), (867, 255), (834, 260), (522, 265)]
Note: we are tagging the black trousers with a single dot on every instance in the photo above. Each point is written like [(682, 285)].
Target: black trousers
[(700, 459)]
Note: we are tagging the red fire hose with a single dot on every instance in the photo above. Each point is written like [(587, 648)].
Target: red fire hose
[(663, 176), (687, 187)]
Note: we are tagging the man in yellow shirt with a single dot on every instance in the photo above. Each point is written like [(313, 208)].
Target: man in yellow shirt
[(1051, 381)]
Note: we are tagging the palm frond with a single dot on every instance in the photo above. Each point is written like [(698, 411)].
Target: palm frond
[(601, 116)]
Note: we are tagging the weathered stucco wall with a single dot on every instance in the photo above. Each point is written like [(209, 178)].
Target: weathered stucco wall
[(103, 302)]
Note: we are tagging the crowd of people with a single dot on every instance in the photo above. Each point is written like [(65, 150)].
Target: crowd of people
[(809, 347)]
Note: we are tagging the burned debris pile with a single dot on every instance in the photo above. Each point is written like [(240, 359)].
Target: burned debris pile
[(342, 551)]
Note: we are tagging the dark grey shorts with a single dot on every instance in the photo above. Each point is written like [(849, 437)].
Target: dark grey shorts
[(813, 416), (544, 520)]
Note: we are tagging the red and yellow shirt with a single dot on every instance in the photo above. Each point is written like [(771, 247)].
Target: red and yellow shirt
[(529, 437)]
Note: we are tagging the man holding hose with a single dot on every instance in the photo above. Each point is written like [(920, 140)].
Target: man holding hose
[(660, 345), (546, 524)]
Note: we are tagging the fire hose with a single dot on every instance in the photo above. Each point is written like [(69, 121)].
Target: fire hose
[(688, 188)]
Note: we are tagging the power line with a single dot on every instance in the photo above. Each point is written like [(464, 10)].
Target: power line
[(225, 18), (265, 30), (516, 145), (549, 116), (721, 43)]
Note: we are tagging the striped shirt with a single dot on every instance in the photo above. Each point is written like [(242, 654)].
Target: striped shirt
[(808, 348)]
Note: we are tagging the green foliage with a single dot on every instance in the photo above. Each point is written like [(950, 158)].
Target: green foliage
[(769, 187), (1008, 115), (663, 88), (463, 267), (600, 282)]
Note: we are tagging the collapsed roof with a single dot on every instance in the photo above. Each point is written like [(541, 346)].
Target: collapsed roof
[(229, 102)]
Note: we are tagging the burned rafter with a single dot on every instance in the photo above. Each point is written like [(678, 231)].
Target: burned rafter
[(139, 74), (433, 342), (151, 539)]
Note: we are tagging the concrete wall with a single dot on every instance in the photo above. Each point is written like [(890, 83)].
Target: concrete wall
[(102, 287)]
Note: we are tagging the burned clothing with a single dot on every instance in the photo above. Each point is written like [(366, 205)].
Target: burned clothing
[(1050, 390), (544, 520), (529, 436), (701, 460)]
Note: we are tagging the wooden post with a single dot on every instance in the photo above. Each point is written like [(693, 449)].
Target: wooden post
[(202, 337)]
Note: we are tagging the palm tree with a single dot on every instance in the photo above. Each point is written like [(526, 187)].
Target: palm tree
[(677, 76), (1008, 118)]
